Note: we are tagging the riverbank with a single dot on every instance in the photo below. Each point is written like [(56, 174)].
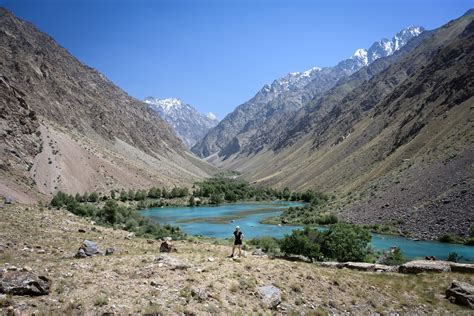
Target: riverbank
[(131, 281)]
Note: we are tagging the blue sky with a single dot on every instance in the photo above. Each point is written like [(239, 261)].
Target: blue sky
[(216, 55)]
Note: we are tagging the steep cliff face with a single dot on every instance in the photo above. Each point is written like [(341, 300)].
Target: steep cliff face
[(55, 108), (395, 137), (286, 95)]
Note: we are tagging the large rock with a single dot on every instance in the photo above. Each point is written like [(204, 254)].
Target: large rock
[(22, 282), (87, 249), (270, 295), (363, 266), (462, 267), (419, 266), (461, 293), (167, 246)]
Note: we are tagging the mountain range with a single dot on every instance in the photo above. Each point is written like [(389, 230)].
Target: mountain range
[(387, 132), (288, 94), (392, 139), (186, 121)]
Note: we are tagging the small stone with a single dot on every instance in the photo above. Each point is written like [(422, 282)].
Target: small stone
[(211, 259), (109, 251), (166, 246)]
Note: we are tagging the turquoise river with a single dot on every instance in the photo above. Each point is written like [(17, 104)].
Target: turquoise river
[(220, 221)]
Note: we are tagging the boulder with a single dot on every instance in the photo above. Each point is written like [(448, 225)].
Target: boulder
[(461, 293), (23, 282), (270, 296), (462, 267), (363, 266), (87, 249), (167, 246), (171, 262), (419, 266)]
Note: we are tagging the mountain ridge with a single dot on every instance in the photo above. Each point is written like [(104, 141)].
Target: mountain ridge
[(282, 96), (189, 124), (64, 126)]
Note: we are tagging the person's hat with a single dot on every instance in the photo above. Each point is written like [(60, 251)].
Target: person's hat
[(237, 227)]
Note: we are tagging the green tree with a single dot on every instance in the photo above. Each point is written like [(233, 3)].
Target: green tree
[(131, 195), (346, 242), (93, 197), (215, 199), (112, 194), (110, 211), (79, 198), (123, 195), (192, 201), (300, 243), (286, 194)]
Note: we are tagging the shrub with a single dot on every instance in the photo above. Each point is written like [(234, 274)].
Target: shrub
[(346, 242), (93, 197), (449, 238), (267, 244), (393, 257), (454, 257), (301, 243)]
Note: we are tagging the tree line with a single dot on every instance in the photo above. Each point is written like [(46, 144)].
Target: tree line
[(116, 215)]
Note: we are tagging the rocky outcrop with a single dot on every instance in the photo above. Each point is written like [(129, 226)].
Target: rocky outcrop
[(23, 282), (461, 293), (419, 266)]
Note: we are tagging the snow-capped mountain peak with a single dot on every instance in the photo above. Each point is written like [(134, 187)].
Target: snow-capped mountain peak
[(168, 105), (211, 116), (361, 55), (386, 47), (187, 122)]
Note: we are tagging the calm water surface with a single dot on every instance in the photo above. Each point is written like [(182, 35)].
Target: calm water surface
[(220, 221)]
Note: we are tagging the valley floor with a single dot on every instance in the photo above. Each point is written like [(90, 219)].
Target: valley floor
[(131, 281)]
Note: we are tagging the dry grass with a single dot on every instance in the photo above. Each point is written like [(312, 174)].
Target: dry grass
[(131, 282)]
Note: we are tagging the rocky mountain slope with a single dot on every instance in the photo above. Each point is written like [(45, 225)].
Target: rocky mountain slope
[(393, 140), (186, 121), (64, 126), (288, 94)]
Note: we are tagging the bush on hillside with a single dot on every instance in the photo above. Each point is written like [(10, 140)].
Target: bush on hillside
[(302, 242), (341, 242), (268, 244)]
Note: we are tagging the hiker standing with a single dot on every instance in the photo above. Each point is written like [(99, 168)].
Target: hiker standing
[(238, 237)]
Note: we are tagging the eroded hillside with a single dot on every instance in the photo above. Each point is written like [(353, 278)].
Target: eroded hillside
[(64, 126)]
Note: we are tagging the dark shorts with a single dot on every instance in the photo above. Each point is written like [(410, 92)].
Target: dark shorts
[(238, 242)]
